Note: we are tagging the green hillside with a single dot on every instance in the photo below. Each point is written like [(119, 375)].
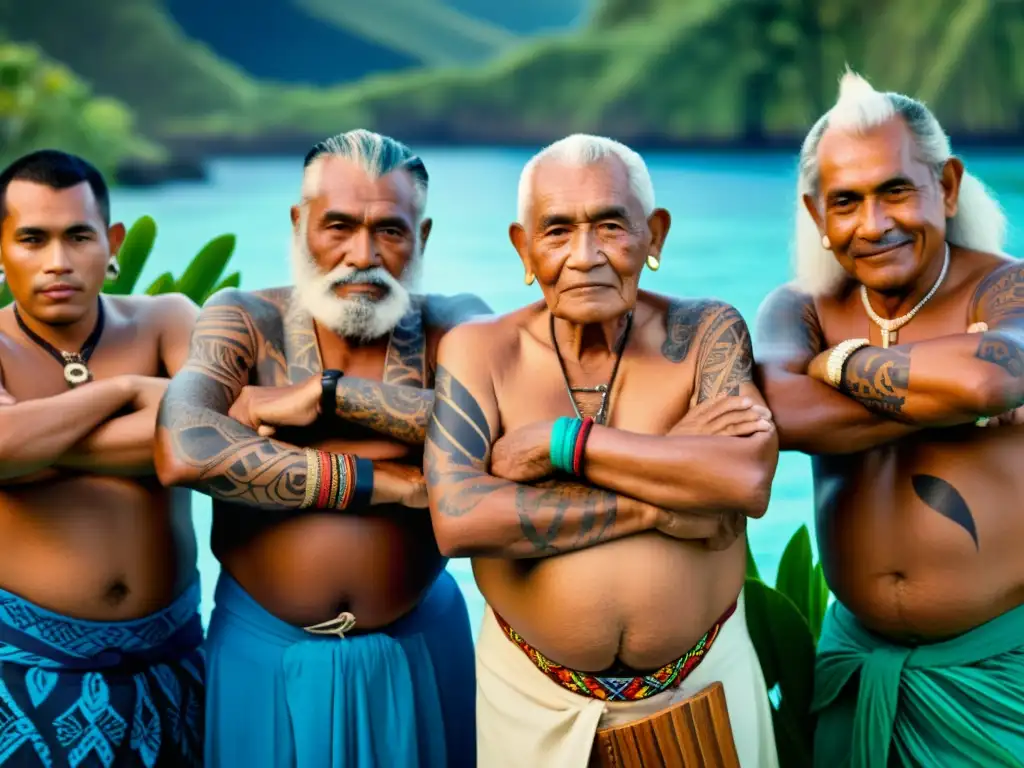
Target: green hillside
[(642, 70)]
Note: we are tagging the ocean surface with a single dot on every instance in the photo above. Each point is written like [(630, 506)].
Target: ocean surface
[(732, 218)]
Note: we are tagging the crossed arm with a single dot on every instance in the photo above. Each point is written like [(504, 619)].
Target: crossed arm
[(80, 429), (393, 407), (478, 514), (198, 445), (886, 394), (695, 473)]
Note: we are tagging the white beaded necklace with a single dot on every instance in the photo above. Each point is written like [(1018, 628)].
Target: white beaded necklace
[(890, 328)]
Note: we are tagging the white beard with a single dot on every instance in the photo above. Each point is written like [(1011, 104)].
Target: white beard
[(357, 317)]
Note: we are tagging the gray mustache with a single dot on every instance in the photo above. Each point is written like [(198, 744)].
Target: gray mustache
[(893, 239), (363, 278)]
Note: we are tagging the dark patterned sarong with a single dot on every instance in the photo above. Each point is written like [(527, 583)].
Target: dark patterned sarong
[(90, 694)]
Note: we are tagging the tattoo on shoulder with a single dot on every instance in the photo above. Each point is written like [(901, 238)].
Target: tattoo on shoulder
[(878, 379), (727, 357), (1000, 296), (947, 501), (682, 321), (223, 347)]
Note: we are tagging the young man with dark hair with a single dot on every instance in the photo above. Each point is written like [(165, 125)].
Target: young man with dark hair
[(99, 621)]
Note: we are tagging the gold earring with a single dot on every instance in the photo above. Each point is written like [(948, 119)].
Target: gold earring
[(529, 278), (653, 262), (826, 243)]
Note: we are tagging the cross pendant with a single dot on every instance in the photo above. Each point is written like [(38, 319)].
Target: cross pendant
[(889, 337)]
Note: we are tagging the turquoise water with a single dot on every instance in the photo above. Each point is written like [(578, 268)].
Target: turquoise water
[(732, 218)]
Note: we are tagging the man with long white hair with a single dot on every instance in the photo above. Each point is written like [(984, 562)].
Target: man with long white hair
[(598, 453), (889, 359), (338, 639)]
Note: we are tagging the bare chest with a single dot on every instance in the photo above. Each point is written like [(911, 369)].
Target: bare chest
[(29, 372), (649, 394), (940, 317)]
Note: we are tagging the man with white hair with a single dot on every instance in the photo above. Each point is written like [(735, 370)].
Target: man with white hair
[(902, 334), (597, 454), (338, 639)]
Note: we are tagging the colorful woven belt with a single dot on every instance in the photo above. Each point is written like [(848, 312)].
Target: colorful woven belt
[(667, 678)]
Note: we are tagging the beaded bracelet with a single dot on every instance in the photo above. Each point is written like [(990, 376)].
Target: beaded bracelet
[(334, 481)]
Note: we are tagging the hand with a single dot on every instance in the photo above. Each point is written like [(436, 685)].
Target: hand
[(524, 455), (717, 532), (147, 392), (398, 484), (818, 367), (727, 415), (266, 408)]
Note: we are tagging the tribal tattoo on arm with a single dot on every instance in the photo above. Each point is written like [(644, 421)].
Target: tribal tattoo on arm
[(214, 453), (549, 519), (726, 355), (393, 410), (879, 379), (1000, 304)]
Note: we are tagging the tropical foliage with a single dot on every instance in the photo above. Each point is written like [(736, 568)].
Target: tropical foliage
[(200, 280), (785, 623), (42, 104)]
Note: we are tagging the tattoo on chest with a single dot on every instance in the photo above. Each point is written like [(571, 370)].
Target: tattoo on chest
[(405, 364), (878, 379), (947, 501)]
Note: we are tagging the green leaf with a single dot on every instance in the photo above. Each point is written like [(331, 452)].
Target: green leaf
[(752, 572), (819, 601), (206, 268), (163, 284), (795, 571), (5, 295), (131, 259), (785, 649), (231, 281)]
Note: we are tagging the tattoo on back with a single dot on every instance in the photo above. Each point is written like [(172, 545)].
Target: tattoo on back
[(947, 501), (553, 517), (878, 379)]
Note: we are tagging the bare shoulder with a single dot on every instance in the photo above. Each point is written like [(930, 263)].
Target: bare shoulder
[(688, 322), (445, 312), (1001, 279)]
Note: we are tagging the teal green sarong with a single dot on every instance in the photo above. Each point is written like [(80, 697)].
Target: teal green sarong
[(955, 704)]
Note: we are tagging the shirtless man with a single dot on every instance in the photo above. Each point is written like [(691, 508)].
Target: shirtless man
[(617, 547), (335, 622), (99, 596), (915, 504)]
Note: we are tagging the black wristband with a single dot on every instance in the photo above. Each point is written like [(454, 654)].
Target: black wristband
[(329, 392), (363, 493)]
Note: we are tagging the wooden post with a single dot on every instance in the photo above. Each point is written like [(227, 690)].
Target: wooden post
[(694, 733)]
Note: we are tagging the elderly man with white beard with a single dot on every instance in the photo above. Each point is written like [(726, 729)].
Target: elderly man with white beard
[(337, 638)]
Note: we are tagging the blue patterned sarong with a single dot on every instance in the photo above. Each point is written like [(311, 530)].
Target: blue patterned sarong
[(96, 694), (403, 697)]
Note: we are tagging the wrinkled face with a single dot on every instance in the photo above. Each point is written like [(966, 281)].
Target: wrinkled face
[(356, 249), (55, 247), (883, 210), (586, 239)]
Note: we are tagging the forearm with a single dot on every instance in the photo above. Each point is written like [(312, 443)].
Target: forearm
[(122, 446), (941, 382), (701, 473), (813, 418), (35, 433), (478, 515), (392, 410)]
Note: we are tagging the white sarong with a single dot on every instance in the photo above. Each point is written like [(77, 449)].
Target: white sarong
[(526, 720)]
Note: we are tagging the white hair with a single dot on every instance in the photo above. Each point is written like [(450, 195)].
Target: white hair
[(377, 155), (979, 223), (582, 149), (354, 317)]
